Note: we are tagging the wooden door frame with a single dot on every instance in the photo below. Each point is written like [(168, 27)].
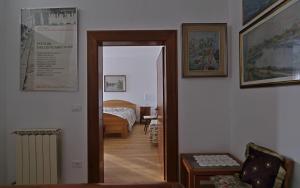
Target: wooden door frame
[(168, 38)]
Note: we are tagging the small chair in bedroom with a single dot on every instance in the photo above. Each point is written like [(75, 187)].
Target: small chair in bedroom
[(148, 120), (263, 168)]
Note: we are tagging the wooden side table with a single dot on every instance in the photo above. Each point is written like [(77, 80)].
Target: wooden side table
[(195, 176), (144, 111)]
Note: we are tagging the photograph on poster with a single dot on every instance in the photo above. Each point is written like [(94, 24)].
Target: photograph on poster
[(48, 49)]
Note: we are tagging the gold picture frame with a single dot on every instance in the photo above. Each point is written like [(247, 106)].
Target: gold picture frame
[(254, 10), (269, 53), (204, 50)]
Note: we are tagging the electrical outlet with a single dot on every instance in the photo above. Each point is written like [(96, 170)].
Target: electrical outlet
[(76, 164), (76, 108)]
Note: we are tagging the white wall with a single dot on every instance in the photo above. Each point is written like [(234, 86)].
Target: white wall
[(203, 102), (2, 98), (139, 66), (43, 109), (266, 116)]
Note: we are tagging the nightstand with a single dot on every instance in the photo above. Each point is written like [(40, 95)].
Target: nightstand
[(144, 111), (195, 176)]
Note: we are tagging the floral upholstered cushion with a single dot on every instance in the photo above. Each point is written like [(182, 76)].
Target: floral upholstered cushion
[(228, 182)]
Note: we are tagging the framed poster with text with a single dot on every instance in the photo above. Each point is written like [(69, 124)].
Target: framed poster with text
[(48, 53)]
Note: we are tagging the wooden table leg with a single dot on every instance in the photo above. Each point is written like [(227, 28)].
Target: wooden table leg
[(191, 180), (147, 123)]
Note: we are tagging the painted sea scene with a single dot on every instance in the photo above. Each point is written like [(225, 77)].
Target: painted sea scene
[(271, 50), (252, 8), (204, 50)]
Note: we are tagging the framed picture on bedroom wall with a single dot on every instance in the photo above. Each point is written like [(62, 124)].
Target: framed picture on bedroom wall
[(270, 49), (114, 83), (204, 49)]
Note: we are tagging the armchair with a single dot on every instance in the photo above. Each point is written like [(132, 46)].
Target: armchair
[(259, 171)]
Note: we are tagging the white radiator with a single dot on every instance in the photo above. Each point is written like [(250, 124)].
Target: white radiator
[(37, 159)]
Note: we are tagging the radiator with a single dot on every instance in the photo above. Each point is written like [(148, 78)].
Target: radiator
[(37, 156)]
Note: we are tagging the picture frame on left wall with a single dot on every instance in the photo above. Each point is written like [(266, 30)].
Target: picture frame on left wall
[(114, 83), (48, 49)]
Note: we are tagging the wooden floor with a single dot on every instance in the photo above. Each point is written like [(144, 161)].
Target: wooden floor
[(131, 160)]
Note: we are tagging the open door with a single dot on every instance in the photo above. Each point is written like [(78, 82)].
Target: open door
[(161, 109)]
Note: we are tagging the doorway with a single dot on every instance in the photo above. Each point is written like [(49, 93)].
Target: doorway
[(96, 41), (130, 118)]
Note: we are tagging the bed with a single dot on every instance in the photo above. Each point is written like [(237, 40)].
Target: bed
[(118, 117)]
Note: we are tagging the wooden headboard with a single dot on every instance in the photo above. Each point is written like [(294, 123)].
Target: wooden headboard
[(119, 103)]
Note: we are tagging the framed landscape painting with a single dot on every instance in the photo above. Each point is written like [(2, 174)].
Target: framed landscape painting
[(254, 9), (204, 49), (270, 49), (114, 83)]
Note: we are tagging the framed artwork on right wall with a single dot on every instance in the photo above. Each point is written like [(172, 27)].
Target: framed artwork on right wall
[(255, 9), (204, 49), (270, 49)]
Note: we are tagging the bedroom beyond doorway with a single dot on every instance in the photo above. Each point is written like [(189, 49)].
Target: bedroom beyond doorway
[(130, 124)]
